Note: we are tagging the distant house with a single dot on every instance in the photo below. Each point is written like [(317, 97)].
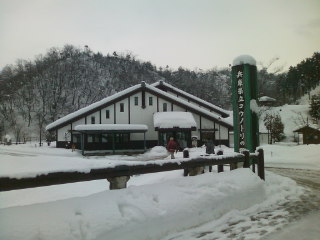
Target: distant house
[(143, 116), (267, 101), (310, 134)]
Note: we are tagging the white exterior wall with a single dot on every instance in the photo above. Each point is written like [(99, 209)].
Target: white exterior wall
[(96, 115), (104, 120), (161, 102), (223, 132), (138, 115), (197, 132), (178, 108), (79, 122), (207, 124), (62, 131), (122, 117)]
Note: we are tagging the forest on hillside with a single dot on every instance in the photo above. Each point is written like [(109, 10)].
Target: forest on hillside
[(63, 80)]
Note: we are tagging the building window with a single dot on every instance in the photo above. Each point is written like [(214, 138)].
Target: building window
[(136, 101), (165, 107), (93, 138), (107, 114), (150, 101), (76, 138), (121, 107), (106, 138), (93, 120)]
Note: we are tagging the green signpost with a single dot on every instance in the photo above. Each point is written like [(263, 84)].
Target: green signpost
[(244, 96)]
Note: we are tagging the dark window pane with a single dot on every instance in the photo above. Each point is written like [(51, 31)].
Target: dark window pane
[(165, 107)]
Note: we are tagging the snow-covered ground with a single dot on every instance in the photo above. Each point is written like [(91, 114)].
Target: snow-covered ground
[(154, 206)]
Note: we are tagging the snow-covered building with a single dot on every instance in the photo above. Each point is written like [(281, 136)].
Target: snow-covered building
[(143, 116)]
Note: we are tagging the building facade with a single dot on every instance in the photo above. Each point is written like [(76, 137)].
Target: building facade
[(138, 105)]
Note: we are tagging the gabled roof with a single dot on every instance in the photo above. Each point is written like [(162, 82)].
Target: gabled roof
[(129, 91), (92, 107), (218, 110), (302, 128), (266, 99)]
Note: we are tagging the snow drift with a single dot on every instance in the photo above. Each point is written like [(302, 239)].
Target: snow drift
[(138, 212)]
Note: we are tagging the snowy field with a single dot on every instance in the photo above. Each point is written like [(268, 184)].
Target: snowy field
[(154, 206)]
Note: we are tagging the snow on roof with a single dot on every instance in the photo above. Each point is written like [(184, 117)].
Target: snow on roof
[(313, 126), (112, 127), (191, 96), (91, 107), (266, 99), (174, 120), (217, 117), (244, 59)]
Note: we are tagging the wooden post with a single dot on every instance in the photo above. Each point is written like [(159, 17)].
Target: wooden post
[(220, 168), (118, 182), (185, 155), (144, 141), (82, 143), (261, 164), (113, 144), (246, 163), (233, 166), (254, 167)]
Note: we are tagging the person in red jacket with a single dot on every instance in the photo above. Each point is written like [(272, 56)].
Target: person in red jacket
[(172, 146)]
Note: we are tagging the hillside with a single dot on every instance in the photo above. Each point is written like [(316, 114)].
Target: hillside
[(33, 94), (292, 116)]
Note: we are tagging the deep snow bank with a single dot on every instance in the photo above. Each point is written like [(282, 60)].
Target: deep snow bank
[(141, 212), (288, 156)]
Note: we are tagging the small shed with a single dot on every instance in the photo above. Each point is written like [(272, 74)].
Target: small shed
[(267, 101), (310, 133)]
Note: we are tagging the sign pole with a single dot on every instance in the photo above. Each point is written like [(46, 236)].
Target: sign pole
[(244, 96)]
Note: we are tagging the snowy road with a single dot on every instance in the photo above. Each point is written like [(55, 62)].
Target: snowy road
[(272, 222)]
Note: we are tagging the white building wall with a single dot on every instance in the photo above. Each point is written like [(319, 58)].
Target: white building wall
[(62, 131), (178, 108), (96, 115), (197, 131), (223, 132), (161, 102), (79, 122), (138, 115), (206, 123), (122, 117), (104, 120)]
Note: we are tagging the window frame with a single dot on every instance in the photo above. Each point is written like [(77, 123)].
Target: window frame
[(136, 101), (93, 119), (165, 107)]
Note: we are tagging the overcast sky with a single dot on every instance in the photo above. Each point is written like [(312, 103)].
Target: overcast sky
[(189, 33)]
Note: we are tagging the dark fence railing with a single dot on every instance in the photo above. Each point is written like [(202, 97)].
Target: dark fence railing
[(119, 175)]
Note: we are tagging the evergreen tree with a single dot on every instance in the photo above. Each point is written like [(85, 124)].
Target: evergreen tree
[(275, 127), (315, 107)]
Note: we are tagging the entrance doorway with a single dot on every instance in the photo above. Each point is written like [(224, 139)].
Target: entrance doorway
[(183, 138)]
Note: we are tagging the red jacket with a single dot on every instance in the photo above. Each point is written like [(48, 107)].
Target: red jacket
[(171, 146)]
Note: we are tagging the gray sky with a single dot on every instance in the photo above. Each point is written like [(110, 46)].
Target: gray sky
[(188, 33)]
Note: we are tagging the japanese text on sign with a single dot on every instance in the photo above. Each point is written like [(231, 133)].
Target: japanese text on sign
[(240, 99)]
